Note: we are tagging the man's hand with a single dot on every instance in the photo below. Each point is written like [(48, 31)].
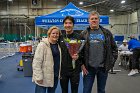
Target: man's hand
[(85, 72), (75, 57)]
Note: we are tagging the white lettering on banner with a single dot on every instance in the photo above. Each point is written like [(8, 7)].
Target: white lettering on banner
[(81, 20), (61, 20), (52, 20), (71, 12)]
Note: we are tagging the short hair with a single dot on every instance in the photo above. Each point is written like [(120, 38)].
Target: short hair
[(131, 36), (52, 28), (70, 18), (94, 13)]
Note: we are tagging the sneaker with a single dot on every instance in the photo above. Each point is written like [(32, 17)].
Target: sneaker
[(136, 71), (132, 72), (120, 64)]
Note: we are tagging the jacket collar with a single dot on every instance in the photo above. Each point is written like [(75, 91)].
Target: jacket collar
[(88, 28), (46, 41)]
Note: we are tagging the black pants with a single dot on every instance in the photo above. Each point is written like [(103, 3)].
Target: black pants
[(135, 59), (74, 81)]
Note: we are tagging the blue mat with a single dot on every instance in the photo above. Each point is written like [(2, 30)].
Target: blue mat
[(13, 81)]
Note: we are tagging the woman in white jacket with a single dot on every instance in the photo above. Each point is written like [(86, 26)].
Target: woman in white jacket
[(47, 62)]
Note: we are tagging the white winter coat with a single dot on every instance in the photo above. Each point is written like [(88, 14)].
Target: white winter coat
[(43, 64)]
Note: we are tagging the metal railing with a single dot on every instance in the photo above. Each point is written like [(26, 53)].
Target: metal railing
[(8, 49)]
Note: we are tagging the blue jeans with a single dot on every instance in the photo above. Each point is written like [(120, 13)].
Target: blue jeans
[(88, 80), (41, 89)]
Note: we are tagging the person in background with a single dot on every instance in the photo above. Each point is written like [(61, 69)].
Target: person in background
[(47, 62), (122, 48), (68, 73), (134, 46), (100, 54)]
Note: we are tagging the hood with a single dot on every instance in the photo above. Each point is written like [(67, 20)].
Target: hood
[(45, 40)]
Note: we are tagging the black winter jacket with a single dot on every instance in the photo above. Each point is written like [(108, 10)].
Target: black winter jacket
[(66, 64), (110, 49)]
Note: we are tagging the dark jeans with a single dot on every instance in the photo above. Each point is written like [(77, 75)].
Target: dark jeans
[(135, 59), (41, 89), (90, 77), (74, 80)]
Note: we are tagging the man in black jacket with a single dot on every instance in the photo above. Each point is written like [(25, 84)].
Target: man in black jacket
[(99, 53), (68, 73)]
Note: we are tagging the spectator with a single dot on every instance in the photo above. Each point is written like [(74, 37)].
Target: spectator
[(134, 46), (122, 48)]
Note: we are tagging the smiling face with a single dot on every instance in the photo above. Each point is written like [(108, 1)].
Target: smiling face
[(54, 35), (94, 21), (68, 25)]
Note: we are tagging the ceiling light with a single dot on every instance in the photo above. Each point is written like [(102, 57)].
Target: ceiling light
[(10, 0), (81, 3), (111, 10), (123, 1)]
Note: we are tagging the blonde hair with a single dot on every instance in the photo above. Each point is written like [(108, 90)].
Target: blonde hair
[(94, 13), (51, 29)]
